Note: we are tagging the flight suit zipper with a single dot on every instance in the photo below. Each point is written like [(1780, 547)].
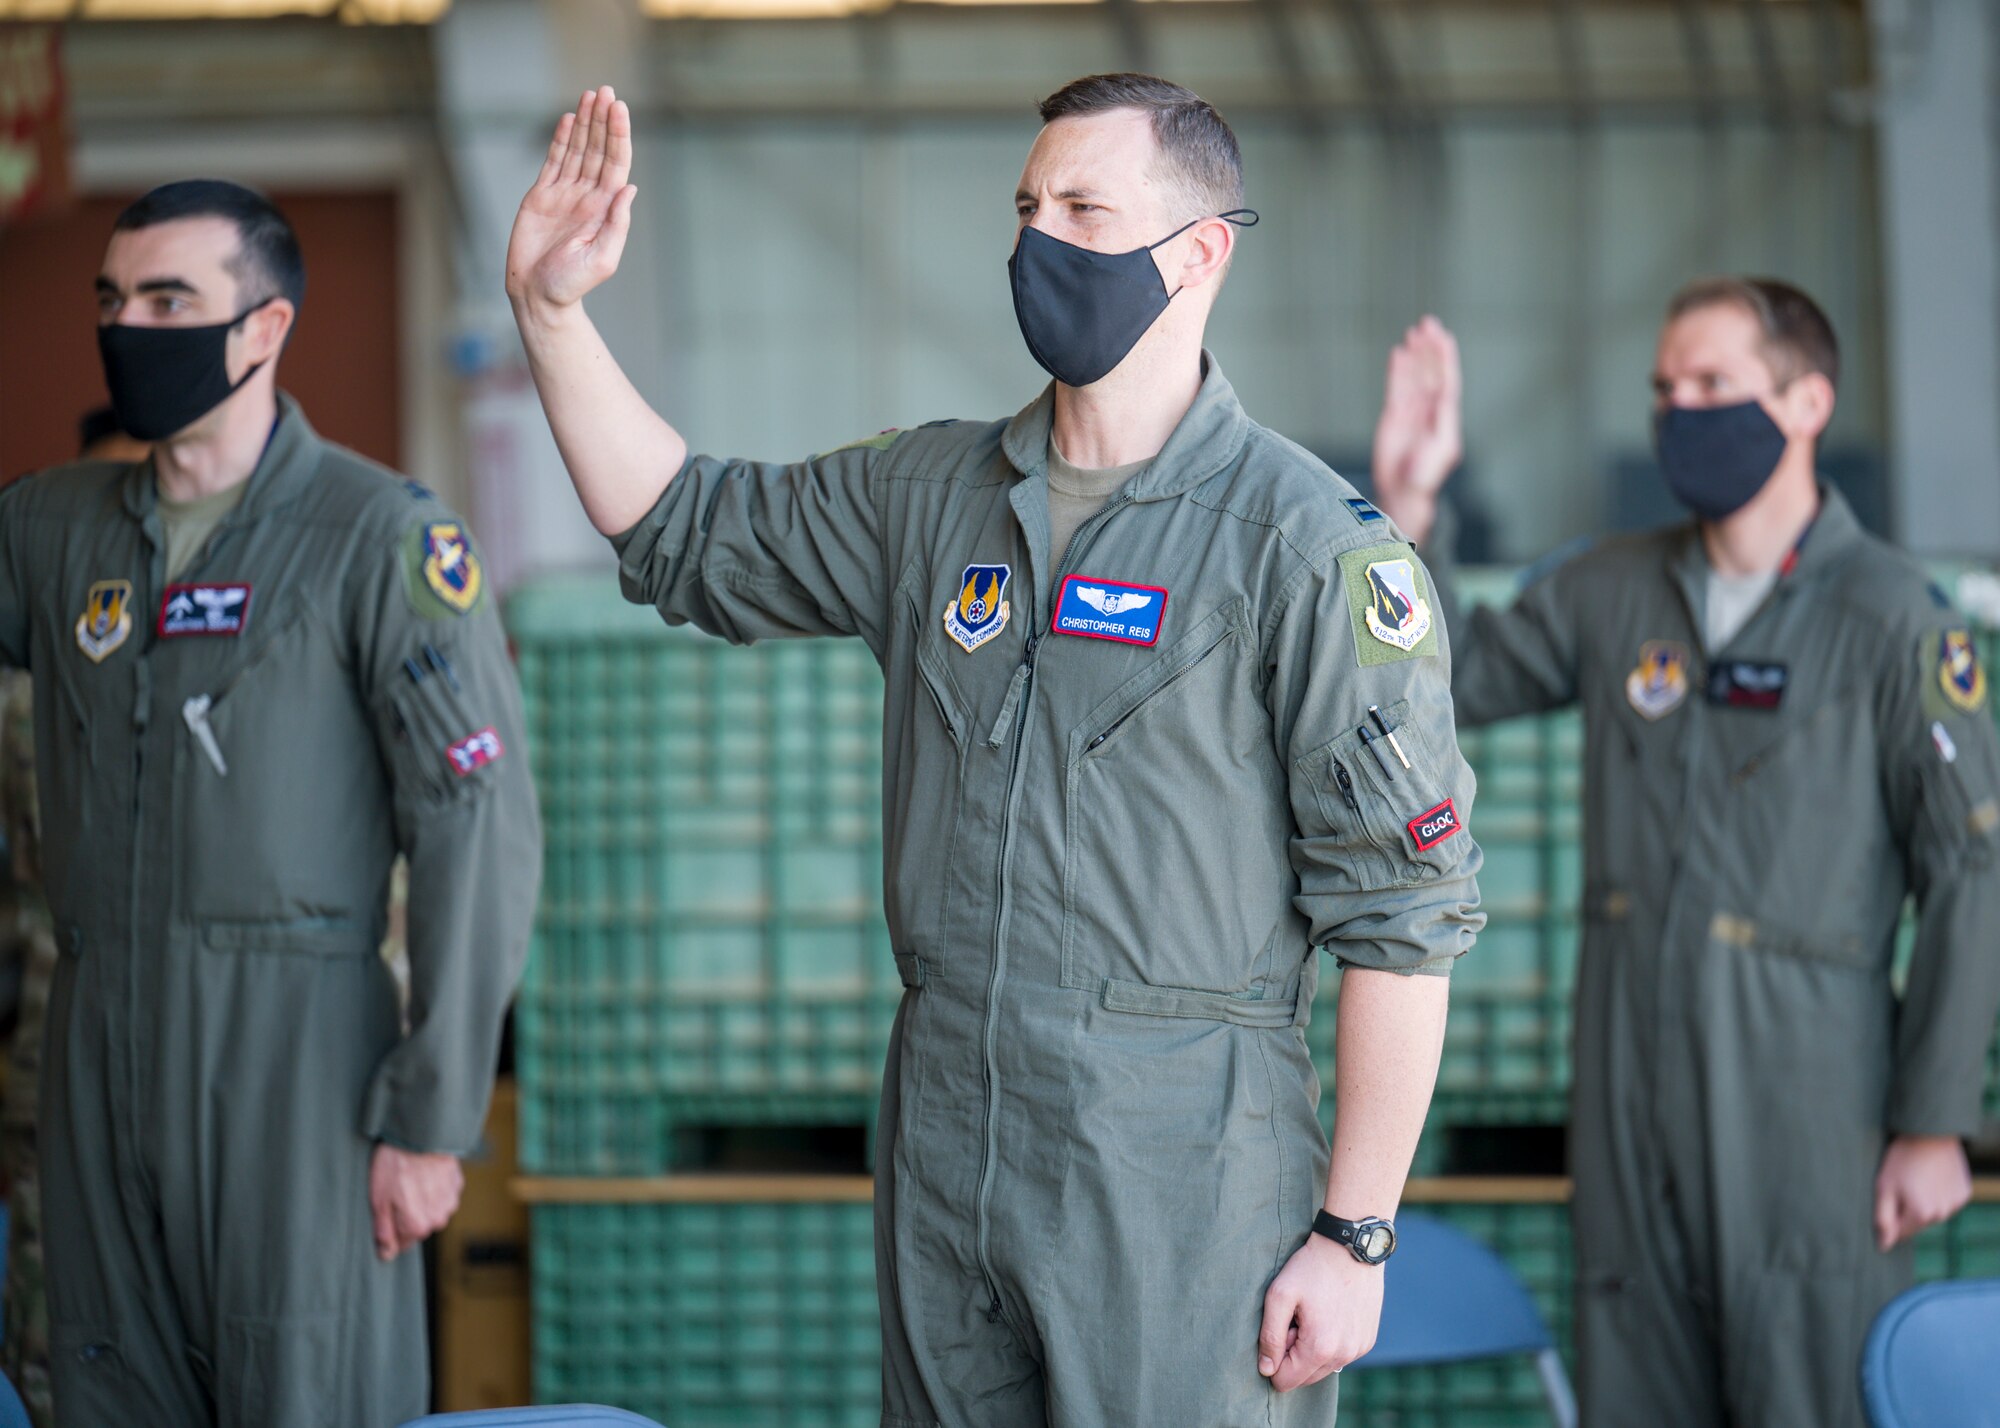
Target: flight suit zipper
[(1020, 694)]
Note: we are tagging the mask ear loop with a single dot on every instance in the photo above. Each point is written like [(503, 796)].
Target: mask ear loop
[(1235, 216)]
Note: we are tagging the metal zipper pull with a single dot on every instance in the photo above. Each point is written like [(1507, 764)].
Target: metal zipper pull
[(1346, 783), (195, 714), (1004, 724)]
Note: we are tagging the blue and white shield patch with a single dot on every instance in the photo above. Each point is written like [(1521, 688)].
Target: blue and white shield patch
[(979, 611)]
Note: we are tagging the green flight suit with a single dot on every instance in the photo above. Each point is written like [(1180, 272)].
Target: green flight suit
[(1109, 856), (1752, 824), (227, 769)]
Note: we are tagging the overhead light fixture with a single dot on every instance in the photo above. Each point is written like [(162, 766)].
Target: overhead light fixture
[(761, 9), (356, 12)]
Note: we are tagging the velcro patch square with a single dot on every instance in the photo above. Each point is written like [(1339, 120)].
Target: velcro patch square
[(1427, 830), (475, 751), (1389, 601)]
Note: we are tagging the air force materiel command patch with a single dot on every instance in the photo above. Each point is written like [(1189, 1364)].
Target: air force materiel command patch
[(106, 622), (1428, 830), (1961, 678), (1390, 604), (441, 570), (204, 610), (474, 752), (979, 611), (1098, 609), (1659, 683)]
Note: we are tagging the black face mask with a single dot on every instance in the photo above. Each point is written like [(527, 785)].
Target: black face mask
[(165, 379), (1080, 310), (1716, 458)]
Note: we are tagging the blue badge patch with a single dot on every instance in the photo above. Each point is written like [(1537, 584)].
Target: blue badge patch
[(979, 610), (1110, 610), (1363, 512)]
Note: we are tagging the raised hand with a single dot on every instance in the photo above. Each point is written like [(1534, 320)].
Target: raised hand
[(1419, 439), (571, 230)]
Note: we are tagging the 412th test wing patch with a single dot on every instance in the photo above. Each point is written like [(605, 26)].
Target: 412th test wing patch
[(1389, 601)]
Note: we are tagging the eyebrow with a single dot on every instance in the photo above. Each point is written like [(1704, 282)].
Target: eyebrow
[(151, 285), (1021, 194)]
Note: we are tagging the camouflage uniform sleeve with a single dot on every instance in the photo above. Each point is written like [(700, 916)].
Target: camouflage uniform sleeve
[(446, 706), (755, 550), (1385, 859), (1942, 777)]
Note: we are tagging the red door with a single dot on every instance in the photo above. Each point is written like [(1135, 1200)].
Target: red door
[(342, 364)]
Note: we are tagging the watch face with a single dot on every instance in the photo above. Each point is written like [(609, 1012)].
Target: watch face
[(1377, 1242)]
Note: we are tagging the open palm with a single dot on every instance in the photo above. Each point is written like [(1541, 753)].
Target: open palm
[(571, 230), (1418, 440)]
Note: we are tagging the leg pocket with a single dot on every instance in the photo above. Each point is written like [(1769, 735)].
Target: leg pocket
[(279, 1372)]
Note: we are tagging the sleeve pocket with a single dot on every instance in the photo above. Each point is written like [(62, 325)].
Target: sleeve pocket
[(440, 746), (1401, 826)]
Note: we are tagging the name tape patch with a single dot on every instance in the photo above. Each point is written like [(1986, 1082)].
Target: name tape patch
[(475, 751), (1428, 830), (204, 610), (1746, 684), (1110, 610)]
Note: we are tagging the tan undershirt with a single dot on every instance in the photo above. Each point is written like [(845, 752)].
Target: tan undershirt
[(1730, 602), (187, 525), (1077, 494)]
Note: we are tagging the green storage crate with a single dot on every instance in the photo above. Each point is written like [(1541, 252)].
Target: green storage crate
[(710, 1315), (710, 946), (764, 1315)]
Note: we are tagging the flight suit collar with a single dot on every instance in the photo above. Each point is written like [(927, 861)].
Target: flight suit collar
[(288, 464), (1207, 439), (1832, 533)]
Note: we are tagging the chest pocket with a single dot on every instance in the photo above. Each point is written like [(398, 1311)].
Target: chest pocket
[(1175, 871), (279, 794), (1397, 826), (924, 773)]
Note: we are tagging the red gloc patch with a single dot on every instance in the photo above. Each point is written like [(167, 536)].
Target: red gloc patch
[(475, 752), (1432, 828)]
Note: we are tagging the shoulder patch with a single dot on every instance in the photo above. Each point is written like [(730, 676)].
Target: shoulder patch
[(416, 490), (1954, 678), (441, 571), (1389, 600), (1362, 511), (880, 441)]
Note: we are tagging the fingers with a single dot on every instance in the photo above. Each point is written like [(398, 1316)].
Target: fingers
[(610, 240), (618, 150), (552, 165), (386, 1240), (579, 138), (1888, 1217), (1275, 1337), (600, 127)]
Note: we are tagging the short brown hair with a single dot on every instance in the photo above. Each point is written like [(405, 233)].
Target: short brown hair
[(1198, 152), (1797, 336)]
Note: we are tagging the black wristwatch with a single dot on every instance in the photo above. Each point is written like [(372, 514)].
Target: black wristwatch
[(1371, 1240)]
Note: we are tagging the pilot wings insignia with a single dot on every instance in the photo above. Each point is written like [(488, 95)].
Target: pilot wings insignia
[(1112, 602)]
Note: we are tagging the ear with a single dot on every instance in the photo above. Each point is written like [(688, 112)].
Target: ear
[(1806, 407), (1204, 255), (265, 330)]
